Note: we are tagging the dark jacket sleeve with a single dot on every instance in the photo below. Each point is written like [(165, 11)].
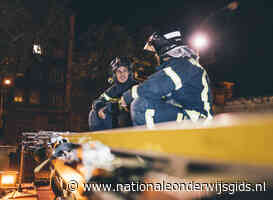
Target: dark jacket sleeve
[(106, 97), (112, 94), (98, 103), (156, 87)]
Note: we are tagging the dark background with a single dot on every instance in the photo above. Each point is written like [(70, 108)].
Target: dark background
[(243, 37)]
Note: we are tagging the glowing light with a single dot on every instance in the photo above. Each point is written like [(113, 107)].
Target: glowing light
[(37, 49), (233, 5), (18, 99), (8, 179), (200, 41), (7, 81)]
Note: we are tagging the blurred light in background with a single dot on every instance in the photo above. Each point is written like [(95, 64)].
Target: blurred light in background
[(8, 178), (7, 81), (199, 41)]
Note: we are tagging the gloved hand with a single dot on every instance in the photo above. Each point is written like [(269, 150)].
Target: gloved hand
[(101, 113), (123, 105)]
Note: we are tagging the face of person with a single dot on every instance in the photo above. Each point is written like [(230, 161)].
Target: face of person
[(122, 74)]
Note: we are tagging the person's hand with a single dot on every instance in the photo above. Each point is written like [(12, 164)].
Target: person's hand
[(101, 113), (123, 104)]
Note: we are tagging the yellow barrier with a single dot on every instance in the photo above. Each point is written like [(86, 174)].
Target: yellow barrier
[(230, 138)]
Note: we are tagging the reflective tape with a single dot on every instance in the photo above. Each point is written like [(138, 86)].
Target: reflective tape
[(149, 114), (134, 91), (175, 78), (195, 63), (172, 34), (205, 95), (205, 91), (179, 117), (194, 115), (107, 98)]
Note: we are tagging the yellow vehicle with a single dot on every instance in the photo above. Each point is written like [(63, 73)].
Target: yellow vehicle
[(230, 151)]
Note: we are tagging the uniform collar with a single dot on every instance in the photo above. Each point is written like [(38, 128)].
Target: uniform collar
[(165, 64)]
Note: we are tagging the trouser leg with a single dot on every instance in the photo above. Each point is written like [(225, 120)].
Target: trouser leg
[(95, 123), (147, 111), (124, 119)]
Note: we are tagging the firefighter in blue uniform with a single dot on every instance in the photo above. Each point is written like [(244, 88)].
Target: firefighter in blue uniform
[(106, 112), (179, 89)]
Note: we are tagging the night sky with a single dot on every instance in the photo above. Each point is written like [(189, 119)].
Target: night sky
[(243, 38)]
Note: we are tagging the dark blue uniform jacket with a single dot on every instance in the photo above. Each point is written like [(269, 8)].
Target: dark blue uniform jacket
[(179, 81), (112, 94)]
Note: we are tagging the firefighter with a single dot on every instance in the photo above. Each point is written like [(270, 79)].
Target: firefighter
[(105, 113), (178, 90)]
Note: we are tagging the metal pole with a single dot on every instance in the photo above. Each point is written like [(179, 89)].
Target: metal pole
[(1, 107), (18, 193), (21, 168), (2, 110), (69, 69)]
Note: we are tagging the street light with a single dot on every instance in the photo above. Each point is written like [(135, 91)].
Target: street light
[(7, 82), (200, 41), (233, 5)]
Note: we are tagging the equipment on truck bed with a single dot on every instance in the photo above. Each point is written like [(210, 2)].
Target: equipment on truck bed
[(228, 150)]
